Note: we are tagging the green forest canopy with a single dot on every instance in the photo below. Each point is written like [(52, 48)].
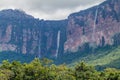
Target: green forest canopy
[(45, 70)]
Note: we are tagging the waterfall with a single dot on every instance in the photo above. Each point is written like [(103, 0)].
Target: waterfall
[(39, 46), (39, 49), (58, 44), (94, 28)]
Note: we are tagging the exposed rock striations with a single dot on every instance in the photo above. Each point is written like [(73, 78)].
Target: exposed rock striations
[(81, 29), (96, 26)]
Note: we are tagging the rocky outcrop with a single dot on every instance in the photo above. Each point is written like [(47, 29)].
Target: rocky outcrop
[(96, 26), (23, 33)]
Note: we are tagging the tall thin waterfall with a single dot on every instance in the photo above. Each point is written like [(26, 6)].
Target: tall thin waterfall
[(94, 28), (58, 44), (39, 47)]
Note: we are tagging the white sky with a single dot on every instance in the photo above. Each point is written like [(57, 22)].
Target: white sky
[(49, 9)]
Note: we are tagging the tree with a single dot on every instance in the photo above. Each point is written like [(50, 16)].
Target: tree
[(84, 72)]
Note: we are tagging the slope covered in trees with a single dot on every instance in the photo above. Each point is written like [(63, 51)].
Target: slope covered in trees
[(45, 70), (102, 58)]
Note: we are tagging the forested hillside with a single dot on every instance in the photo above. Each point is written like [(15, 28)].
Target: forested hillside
[(102, 58), (45, 70)]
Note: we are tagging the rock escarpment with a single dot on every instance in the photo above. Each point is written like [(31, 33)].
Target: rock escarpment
[(96, 26), (23, 33)]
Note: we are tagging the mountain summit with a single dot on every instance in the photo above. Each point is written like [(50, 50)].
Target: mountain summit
[(10, 13)]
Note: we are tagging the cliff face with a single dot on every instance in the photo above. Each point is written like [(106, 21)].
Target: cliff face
[(95, 26), (22, 33)]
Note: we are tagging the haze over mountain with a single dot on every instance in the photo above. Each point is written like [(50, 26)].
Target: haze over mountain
[(80, 34)]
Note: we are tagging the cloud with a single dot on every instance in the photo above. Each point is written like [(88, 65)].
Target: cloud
[(49, 9)]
